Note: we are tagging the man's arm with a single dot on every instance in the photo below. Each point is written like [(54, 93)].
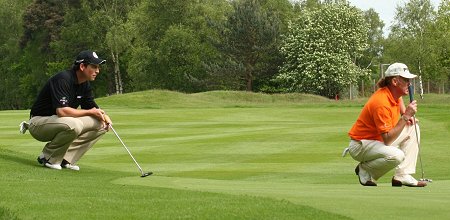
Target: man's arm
[(71, 112), (410, 111), (391, 136), (402, 106)]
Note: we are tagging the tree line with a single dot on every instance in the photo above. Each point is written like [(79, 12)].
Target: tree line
[(273, 46)]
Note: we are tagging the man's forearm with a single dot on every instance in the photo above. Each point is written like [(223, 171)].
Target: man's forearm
[(393, 134)]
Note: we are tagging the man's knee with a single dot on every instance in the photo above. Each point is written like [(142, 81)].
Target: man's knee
[(73, 125), (70, 134), (396, 157)]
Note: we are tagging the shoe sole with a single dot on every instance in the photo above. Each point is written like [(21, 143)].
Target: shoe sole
[(396, 183)]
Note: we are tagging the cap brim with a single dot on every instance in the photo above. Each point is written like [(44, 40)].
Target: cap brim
[(98, 61), (408, 75)]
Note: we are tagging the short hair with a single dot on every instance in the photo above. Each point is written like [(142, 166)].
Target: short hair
[(76, 66)]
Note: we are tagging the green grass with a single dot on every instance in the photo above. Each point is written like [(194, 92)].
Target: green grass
[(221, 155)]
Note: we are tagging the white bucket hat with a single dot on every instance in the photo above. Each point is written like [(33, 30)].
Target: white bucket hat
[(399, 69)]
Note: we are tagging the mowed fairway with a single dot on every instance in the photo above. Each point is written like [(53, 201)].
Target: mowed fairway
[(222, 155)]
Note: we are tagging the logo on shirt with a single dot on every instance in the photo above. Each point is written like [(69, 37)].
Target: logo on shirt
[(63, 100), (79, 97)]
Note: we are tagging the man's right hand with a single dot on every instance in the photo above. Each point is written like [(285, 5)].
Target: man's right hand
[(98, 113), (411, 109)]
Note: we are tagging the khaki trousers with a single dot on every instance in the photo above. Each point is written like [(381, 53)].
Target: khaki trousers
[(68, 138), (378, 159)]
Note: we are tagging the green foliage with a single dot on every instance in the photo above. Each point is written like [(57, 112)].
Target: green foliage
[(82, 29), (440, 43), (111, 16), (321, 49), (201, 45), (420, 39), (43, 20), (180, 56), (176, 46), (142, 69), (11, 12), (250, 38), (78, 32), (373, 53), (409, 40)]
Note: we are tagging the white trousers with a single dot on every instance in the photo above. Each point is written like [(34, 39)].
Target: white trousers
[(378, 159)]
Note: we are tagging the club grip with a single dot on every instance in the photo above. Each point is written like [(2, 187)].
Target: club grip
[(411, 91)]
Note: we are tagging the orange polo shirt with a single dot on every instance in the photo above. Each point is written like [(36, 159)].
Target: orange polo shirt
[(379, 115)]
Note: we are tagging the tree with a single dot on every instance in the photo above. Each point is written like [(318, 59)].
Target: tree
[(440, 43), (180, 56), (149, 23), (374, 39), (42, 22), (372, 56), (78, 32), (309, 4), (11, 29), (408, 41), (250, 33), (321, 49), (175, 40), (113, 15)]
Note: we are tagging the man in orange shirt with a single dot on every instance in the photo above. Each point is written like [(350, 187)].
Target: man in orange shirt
[(383, 136)]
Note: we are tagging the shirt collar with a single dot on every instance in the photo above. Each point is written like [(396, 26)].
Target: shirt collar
[(391, 97)]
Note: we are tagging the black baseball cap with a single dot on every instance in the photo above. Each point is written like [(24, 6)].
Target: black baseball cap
[(90, 57)]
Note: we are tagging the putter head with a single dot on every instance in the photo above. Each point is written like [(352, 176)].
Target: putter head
[(146, 174)]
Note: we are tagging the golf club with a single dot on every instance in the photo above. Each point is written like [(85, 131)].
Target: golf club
[(411, 98), (126, 148)]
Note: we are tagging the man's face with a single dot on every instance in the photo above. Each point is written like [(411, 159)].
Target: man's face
[(403, 84), (91, 71)]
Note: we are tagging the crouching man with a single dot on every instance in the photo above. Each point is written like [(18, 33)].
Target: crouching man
[(66, 116), (384, 137)]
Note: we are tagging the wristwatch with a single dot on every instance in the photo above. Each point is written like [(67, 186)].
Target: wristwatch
[(405, 118)]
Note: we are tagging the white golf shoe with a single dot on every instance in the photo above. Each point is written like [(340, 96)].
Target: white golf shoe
[(67, 165), (53, 166), (41, 160), (407, 180), (71, 167)]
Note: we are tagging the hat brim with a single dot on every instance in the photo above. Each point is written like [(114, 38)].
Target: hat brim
[(98, 61), (408, 75)]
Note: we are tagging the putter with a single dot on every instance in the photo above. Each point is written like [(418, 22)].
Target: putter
[(126, 148), (411, 98)]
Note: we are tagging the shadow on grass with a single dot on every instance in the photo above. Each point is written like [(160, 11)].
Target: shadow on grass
[(13, 157)]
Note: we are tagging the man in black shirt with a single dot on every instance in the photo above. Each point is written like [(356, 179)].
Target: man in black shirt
[(56, 118)]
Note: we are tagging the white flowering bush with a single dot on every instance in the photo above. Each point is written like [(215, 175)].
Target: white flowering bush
[(320, 49)]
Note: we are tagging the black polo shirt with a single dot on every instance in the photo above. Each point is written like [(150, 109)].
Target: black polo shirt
[(63, 90)]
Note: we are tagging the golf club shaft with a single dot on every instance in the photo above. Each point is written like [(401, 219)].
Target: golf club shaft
[(418, 146), (126, 148), (411, 98)]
